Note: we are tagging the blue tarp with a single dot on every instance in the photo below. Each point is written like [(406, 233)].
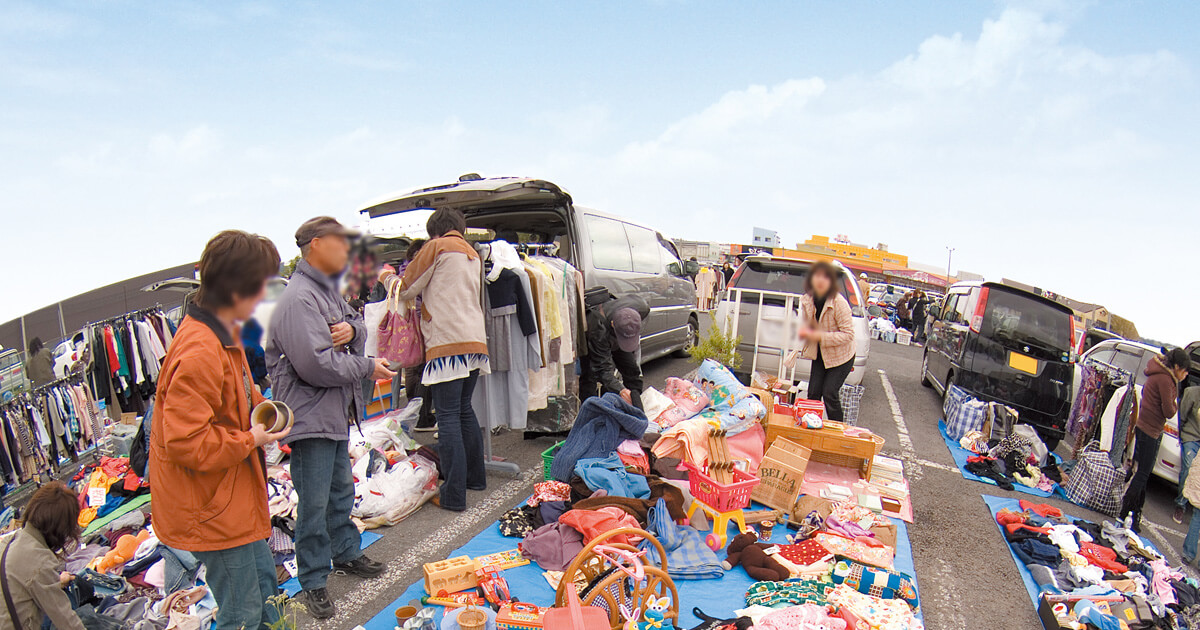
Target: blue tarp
[(718, 598), (995, 504), (961, 454)]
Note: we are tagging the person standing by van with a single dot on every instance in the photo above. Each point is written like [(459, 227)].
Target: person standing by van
[(205, 454), (1189, 445), (1159, 402), (447, 273), (40, 364), (315, 357), (919, 311), (828, 336)]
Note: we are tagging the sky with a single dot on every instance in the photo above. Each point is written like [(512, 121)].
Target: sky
[(1051, 142)]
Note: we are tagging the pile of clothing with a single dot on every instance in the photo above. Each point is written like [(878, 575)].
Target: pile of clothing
[(1067, 556), (106, 487), (841, 572)]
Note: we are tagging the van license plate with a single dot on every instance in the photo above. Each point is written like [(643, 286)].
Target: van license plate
[(1018, 361)]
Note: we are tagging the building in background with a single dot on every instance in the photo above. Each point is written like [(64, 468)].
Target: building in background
[(703, 251), (841, 246), (762, 237)]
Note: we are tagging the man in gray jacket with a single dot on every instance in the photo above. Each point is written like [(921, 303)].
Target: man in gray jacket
[(315, 357)]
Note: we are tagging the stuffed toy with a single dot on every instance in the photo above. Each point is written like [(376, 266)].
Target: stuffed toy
[(656, 614), (745, 550), (122, 552)]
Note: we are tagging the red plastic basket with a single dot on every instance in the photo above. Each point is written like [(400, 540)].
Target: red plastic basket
[(722, 498)]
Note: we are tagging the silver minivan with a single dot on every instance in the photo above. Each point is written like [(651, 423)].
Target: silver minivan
[(622, 255)]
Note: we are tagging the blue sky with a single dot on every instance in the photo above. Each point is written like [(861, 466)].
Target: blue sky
[(1052, 142)]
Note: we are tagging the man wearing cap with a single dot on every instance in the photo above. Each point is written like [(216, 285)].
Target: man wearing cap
[(864, 286), (315, 357), (614, 333)]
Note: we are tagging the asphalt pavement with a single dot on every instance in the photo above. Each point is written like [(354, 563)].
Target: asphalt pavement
[(964, 571)]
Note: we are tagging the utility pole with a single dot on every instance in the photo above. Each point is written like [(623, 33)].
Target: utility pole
[(949, 257)]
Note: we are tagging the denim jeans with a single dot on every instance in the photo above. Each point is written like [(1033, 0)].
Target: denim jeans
[(460, 441), (179, 569), (241, 579), (324, 483), (1187, 453), (1193, 536)]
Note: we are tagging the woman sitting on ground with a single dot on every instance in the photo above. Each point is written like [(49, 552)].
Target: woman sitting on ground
[(32, 576)]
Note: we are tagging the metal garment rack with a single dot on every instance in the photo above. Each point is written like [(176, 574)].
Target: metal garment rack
[(789, 322), (491, 462)]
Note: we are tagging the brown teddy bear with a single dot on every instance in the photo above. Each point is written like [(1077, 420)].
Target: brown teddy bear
[(749, 553)]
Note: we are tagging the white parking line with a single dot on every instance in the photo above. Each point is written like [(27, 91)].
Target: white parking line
[(914, 466)]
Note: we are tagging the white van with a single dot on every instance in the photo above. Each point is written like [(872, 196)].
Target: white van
[(765, 289)]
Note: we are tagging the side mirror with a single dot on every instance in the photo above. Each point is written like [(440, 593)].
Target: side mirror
[(691, 267), (675, 269)]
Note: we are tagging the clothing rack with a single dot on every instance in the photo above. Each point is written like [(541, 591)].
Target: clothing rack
[(549, 249), (491, 462), (118, 318)]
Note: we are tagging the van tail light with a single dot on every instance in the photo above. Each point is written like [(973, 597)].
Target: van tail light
[(980, 309), (734, 279), (1075, 349)]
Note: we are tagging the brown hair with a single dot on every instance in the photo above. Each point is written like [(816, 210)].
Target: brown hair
[(826, 268), (444, 220), (235, 263), (54, 511)]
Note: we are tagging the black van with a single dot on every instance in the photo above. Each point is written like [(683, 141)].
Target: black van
[(1003, 344)]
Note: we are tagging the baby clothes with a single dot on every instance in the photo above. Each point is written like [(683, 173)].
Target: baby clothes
[(801, 618)]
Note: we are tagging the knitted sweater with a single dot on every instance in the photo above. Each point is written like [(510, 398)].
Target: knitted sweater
[(447, 274), (602, 424)]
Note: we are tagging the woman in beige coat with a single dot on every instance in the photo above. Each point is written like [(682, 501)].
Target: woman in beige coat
[(828, 335)]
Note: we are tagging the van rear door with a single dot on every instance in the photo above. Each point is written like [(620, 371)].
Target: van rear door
[(1022, 350)]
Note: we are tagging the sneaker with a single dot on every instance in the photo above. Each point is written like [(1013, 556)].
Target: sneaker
[(1177, 515), (316, 601), (361, 566), (426, 424)]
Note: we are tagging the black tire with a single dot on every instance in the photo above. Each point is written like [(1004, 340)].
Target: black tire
[(946, 393), (925, 380), (693, 339)]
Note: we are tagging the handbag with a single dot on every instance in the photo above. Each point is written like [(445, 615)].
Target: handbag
[(400, 338), (1094, 482)]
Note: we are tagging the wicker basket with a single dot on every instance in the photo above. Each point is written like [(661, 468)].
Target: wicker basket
[(472, 618)]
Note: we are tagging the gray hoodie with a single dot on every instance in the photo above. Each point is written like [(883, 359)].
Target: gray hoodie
[(1189, 415), (322, 384)]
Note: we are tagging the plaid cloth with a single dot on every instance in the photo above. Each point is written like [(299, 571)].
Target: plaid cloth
[(881, 583), (963, 413), (688, 558), (1094, 483)]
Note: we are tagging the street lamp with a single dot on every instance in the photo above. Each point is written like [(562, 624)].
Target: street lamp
[(949, 257)]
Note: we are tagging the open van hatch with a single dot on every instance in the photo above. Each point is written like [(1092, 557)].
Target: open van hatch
[(469, 194)]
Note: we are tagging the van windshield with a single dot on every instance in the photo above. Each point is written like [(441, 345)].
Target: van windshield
[(1014, 319)]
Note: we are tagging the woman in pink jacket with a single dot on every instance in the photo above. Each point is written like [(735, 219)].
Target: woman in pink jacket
[(828, 335)]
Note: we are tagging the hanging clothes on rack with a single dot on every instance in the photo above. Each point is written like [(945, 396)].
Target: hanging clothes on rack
[(1097, 384), (502, 397)]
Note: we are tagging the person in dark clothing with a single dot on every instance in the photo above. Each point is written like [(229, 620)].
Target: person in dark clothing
[(1160, 401), (727, 271), (614, 329), (920, 309), (256, 355), (40, 364)]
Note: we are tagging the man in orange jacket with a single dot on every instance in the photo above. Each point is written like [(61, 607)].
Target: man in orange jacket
[(206, 463)]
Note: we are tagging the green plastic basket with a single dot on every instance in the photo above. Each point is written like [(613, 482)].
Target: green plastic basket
[(548, 460)]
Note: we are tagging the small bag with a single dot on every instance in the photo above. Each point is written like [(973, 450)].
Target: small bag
[(400, 338), (1094, 482)]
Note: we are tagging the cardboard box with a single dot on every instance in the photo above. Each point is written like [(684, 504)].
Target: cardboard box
[(129, 418), (1064, 617), (781, 474)]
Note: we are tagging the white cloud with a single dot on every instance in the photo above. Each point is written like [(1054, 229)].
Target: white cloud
[(197, 143)]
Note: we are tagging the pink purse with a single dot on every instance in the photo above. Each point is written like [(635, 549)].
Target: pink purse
[(400, 338)]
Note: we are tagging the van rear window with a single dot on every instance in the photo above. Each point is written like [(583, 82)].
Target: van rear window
[(782, 279), (1016, 319)]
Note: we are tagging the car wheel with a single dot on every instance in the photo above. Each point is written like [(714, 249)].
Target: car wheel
[(925, 380), (692, 340), (946, 393)]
